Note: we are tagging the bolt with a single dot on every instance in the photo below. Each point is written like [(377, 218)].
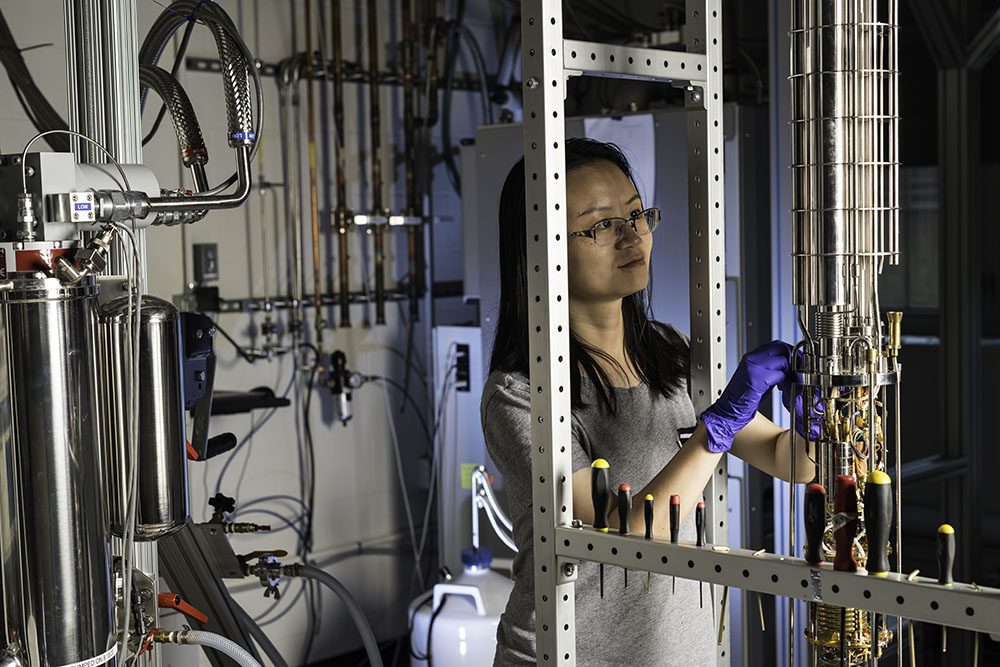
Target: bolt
[(75, 197), (211, 332), (145, 594), (198, 334), (569, 569), (532, 83), (76, 216), (576, 523), (694, 96), (199, 376)]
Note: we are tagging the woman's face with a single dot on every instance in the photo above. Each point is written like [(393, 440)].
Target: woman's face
[(604, 273)]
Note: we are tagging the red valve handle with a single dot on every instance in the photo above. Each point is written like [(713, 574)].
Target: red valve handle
[(174, 601)]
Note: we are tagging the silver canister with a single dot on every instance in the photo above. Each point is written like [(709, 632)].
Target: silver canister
[(162, 501), (53, 522)]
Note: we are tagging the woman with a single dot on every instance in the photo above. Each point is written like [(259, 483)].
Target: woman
[(629, 380)]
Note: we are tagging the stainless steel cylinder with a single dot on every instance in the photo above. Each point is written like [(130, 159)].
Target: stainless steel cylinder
[(162, 502), (53, 523)]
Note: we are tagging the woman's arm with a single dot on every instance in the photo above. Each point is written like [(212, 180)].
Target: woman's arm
[(767, 447), (685, 475), (761, 443)]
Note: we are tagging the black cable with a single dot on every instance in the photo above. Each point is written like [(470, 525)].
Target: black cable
[(409, 629), (430, 629), (310, 506), (232, 341), (173, 71), (44, 116), (408, 397), (451, 60)]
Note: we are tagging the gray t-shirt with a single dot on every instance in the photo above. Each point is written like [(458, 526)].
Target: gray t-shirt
[(629, 626)]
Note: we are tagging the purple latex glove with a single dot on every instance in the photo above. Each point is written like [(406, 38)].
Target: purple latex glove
[(800, 420), (765, 367)]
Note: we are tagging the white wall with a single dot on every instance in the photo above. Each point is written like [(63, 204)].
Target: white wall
[(358, 497)]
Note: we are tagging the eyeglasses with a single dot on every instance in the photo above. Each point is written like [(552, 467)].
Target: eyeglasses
[(612, 230)]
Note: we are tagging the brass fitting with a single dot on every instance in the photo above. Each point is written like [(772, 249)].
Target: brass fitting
[(895, 332)]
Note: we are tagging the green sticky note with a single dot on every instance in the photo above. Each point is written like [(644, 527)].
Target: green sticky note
[(467, 469)]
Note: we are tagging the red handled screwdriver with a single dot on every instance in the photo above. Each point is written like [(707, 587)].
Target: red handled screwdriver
[(624, 511), (675, 527), (600, 493), (845, 507), (815, 517)]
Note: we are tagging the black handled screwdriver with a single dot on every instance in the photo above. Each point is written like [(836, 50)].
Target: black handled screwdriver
[(946, 560), (814, 514), (675, 529), (699, 523), (624, 512), (600, 493), (699, 526), (878, 521), (647, 511)]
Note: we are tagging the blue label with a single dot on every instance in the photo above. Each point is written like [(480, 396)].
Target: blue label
[(242, 136), (84, 206)]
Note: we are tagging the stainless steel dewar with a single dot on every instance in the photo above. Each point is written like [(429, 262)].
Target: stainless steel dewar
[(57, 607), (162, 502)]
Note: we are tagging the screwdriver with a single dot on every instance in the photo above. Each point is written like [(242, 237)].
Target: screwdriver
[(699, 523), (815, 517), (846, 509), (647, 512), (675, 528), (600, 494), (945, 559), (878, 521), (624, 510)]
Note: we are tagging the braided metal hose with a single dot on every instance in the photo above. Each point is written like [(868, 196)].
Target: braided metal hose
[(235, 66), (182, 114)]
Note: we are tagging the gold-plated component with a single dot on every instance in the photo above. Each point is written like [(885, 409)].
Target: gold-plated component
[(824, 632), (895, 332)]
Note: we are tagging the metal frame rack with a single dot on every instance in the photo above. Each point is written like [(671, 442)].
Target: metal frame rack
[(558, 544)]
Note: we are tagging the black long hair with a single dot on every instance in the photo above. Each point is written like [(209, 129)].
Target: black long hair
[(659, 355)]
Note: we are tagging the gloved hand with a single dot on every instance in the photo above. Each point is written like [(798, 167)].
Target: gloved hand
[(759, 370), (786, 399)]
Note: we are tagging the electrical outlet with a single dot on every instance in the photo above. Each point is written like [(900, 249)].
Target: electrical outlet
[(206, 262), (462, 373)]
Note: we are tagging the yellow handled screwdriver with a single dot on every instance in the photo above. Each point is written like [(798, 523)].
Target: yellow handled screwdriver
[(946, 560), (600, 493)]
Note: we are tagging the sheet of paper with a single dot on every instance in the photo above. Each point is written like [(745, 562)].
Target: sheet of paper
[(636, 136)]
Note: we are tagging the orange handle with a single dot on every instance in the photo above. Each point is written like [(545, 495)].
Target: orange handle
[(174, 601)]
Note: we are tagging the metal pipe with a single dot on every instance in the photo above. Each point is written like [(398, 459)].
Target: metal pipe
[(210, 202), (313, 196), (409, 147), (375, 113), (342, 216)]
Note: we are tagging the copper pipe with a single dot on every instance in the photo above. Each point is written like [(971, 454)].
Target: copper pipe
[(342, 215), (410, 154), (375, 112), (313, 198)]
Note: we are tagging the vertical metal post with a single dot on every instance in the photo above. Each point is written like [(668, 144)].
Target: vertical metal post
[(706, 222), (102, 58), (548, 316)]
